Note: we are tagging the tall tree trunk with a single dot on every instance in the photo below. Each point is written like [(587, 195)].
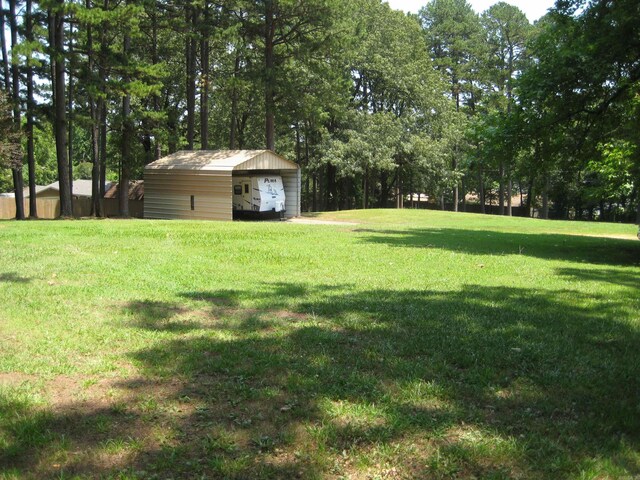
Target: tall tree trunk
[(269, 75), (102, 102), (70, 95), (314, 203), (190, 53), (234, 103), (501, 189), (102, 131), (545, 198), (16, 168), (5, 58), (456, 192), (530, 196), (509, 195), (384, 190), (96, 204), (204, 84), (454, 164), (31, 162), (332, 188), (156, 98), (638, 205), (123, 184), (66, 206)]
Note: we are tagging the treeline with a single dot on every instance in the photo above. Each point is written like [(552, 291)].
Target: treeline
[(373, 104)]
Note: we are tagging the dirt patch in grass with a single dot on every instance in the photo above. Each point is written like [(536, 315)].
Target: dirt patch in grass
[(12, 379)]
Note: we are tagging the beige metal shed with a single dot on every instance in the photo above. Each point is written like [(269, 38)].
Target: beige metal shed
[(198, 184)]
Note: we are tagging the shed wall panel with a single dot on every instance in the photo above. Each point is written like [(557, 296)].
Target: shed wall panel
[(291, 181), (168, 195)]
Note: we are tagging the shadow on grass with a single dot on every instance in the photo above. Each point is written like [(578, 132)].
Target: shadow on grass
[(12, 277), (617, 277), (573, 248), (479, 382)]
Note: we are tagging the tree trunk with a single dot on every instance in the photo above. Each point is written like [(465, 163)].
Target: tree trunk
[(501, 189), (204, 85), (156, 98), (314, 205), (31, 162), (102, 103), (509, 195), (190, 55), (70, 107), (16, 168), (481, 198), (66, 206), (545, 198), (96, 205), (234, 104), (269, 76), (102, 115), (365, 188), (456, 193), (123, 184), (332, 188), (530, 197), (382, 199), (5, 58)]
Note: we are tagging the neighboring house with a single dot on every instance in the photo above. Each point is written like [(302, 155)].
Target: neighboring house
[(136, 199), (48, 200), (25, 192)]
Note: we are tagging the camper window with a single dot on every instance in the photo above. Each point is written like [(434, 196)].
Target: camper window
[(237, 189), (246, 188)]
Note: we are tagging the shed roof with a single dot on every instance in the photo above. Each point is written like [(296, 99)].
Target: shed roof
[(222, 161)]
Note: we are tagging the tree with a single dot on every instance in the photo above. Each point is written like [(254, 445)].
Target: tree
[(507, 32), (56, 15), (453, 31), (10, 138), (581, 94)]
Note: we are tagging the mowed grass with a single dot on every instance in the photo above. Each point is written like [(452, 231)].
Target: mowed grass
[(409, 344)]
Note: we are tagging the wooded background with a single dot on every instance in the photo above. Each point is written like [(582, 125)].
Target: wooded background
[(374, 104)]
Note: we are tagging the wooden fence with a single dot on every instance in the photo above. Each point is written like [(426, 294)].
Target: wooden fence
[(48, 208)]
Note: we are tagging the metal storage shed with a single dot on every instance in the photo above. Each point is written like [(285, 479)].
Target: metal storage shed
[(198, 184)]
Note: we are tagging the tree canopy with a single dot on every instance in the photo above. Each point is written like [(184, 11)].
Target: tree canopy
[(468, 110)]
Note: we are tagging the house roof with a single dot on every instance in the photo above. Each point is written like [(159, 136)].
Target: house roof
[(25, 192), (81, 188), (222, 160), (136, 190)]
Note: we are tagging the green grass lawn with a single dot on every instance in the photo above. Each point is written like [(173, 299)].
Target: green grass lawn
[(411, 344)]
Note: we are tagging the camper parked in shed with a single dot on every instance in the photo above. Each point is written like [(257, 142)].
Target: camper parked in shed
[(258, 195)]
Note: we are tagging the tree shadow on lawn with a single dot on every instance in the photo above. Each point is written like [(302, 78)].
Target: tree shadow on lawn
[(12, 277), (623, 278), (574, 248), (479, 382)]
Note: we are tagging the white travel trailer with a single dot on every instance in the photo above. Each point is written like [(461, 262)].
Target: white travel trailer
[(258, 194)]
